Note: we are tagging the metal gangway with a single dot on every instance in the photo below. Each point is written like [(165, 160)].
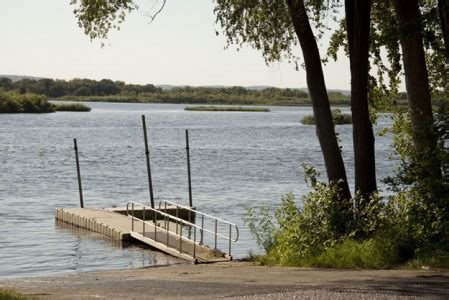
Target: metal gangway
[(181, 236)]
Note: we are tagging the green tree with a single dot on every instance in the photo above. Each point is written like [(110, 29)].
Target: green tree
[(274, 27)]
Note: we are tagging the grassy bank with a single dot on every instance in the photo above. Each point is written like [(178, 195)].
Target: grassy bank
[(338, 117), (226, 108), (13, 102)]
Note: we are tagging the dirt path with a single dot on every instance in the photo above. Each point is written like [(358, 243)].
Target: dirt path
[(238, 280)]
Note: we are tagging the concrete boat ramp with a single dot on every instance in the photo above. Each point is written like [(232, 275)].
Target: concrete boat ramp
[(170, 228)]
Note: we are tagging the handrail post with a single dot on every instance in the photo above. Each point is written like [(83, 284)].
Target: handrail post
[(202, 229), (215, 234), (177, 217), (143, 217), (147, 154), (80, 187), (188, 169), (230, 234), (180, 238), (166, 228), (132, 216), (194, 243)]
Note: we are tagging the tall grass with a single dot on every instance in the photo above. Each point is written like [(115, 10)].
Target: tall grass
[(226, 108)]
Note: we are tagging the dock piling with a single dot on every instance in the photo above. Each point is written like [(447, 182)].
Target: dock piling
[(188, 168), (80, 187), (147, 154)]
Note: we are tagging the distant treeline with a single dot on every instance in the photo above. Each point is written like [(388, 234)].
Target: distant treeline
[(118, 91)]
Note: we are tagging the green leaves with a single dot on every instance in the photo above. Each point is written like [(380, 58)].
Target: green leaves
[(98, 17)]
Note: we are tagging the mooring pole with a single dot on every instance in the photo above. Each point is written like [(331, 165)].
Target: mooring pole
[(80, 187), (188, 169), (147, 154)]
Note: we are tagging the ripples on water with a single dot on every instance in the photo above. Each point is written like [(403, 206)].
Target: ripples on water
[(237, 159)]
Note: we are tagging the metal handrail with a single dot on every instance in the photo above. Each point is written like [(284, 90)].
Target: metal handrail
[(196, 212), (182, 222)]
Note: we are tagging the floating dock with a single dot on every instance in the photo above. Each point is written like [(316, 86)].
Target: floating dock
[(171, 229)]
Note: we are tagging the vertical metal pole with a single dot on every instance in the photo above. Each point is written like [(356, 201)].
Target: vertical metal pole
[(176, 218), (194, 242), (143, 217), (230, 234), (188, 169), (202, 229), (147, 154), (132, 217), (180, 238), (216, 233), (80, 187)]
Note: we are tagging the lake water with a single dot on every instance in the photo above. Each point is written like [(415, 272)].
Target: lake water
[(238, 159)]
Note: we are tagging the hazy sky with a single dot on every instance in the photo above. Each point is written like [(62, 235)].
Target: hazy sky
[(41, 38)]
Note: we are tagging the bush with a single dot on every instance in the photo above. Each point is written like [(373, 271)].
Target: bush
[(11, 295), (13, 102)]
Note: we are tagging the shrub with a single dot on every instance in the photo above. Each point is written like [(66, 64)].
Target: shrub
[(13, 102), (11, 295)]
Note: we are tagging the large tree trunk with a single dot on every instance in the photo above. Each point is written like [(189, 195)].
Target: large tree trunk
[(416, 77), (443, 6), (317, 88), (358, 18)]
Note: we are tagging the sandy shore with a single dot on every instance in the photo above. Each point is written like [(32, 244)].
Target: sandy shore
[(236, 280)]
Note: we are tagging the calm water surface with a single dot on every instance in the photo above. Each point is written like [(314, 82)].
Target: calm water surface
[(238, 159)]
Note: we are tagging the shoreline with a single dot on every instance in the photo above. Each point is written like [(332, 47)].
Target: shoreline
[(235, 280)]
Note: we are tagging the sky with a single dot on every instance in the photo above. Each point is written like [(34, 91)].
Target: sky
[(42, 38)]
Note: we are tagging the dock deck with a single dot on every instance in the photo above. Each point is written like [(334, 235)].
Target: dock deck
[(166, 236)]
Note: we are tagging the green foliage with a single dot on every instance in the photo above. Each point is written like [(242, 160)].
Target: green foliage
[(12, 102), (260, 224), (266, 25), (409, 228), (11, 295), (71, 107), (338, 117), (421, 202), (373, 253), (385, 54), (98, 17)]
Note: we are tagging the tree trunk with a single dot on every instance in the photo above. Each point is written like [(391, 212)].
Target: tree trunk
[(358, 18), (416, 77), (325, 130), (443, 6)]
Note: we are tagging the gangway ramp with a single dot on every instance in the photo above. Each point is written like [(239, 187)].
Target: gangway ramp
[(179, 237)]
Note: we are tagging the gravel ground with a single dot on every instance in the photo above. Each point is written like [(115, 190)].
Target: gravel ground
[(237, 280)]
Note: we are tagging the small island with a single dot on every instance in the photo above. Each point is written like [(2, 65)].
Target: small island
[(338, 117), (71, 107), (13, 102), (226, 108)]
